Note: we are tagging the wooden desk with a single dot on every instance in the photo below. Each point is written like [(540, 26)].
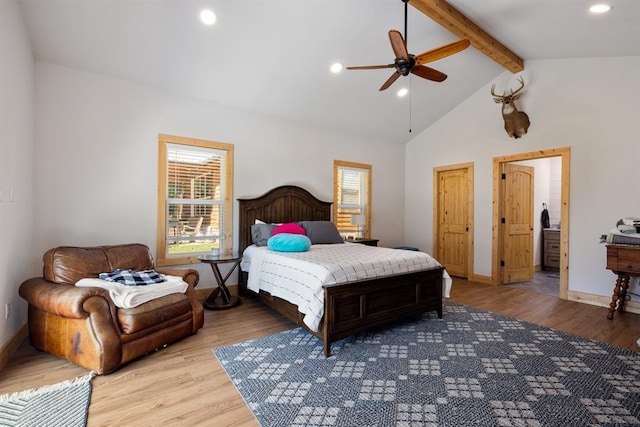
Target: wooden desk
[(623, 260)]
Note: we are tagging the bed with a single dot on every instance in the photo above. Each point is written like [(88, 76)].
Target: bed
[(350, 307)]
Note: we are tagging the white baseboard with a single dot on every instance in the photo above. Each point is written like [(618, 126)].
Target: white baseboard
[(602, 301)]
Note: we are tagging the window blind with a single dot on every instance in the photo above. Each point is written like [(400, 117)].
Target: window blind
[(351, 197)]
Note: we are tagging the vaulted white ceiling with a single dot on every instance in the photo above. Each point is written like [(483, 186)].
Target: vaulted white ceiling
[(273, 56)]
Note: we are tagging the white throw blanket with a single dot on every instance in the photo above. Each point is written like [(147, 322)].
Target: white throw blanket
[(124, 296)]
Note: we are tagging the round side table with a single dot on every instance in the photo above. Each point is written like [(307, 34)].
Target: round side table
[(226, 300)]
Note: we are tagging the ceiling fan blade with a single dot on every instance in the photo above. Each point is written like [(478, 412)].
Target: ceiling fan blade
[(390, 81), (398, 45), (371, 67), (428, 73), (442, 51)]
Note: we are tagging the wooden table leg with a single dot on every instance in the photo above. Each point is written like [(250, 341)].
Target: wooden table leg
[(619, 295), (210, 301), (228, 300)]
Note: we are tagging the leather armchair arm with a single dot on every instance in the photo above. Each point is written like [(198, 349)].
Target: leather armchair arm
[(192, 277), (66, 301), (189, 275)]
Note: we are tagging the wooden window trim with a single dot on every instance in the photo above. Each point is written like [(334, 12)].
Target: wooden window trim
[(226, 244), (337, 164)]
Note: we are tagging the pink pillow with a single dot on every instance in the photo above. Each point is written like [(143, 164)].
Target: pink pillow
[(289, 227)]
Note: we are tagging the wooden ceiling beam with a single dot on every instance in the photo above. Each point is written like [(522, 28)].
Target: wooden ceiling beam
[(453, 20)]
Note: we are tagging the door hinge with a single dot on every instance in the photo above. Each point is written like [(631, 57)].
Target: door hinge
[(504, 176), (501, 263), (503, 220)]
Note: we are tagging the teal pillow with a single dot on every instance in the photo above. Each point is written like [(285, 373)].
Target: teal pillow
[(286, 242)]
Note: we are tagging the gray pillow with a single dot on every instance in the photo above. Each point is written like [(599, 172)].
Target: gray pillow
[(260, 233), (321, 232)]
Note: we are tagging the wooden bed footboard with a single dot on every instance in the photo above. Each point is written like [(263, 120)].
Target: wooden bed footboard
[(352, 308), (357, 306)]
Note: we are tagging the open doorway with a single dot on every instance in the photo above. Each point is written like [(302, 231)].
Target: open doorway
[(543, 273), (559, 224)]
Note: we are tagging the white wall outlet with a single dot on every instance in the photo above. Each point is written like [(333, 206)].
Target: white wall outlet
[(7, 310)]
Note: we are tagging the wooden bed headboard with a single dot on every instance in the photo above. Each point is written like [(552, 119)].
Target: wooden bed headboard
[(287, 203)]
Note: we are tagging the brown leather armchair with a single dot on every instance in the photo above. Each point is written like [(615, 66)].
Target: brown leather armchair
[(82, 325)]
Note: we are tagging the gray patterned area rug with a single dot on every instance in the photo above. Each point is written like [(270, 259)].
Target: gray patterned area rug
[(470, 368), (59, 405)]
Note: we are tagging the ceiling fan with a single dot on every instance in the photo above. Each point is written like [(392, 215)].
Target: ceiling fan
[(406, 63)]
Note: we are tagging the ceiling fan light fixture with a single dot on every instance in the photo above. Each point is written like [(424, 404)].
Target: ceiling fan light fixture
[(600, 8), (208, 17), (403, 92), (336, 67)]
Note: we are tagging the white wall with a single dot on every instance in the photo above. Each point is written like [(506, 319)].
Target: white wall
[(555, 190), (17, 260), (590, 105), (96, 158)]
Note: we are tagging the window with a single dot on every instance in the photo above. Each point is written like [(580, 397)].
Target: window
[(195, 188), (352, 199)]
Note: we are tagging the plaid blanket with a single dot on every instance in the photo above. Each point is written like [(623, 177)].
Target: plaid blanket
[(133, 278)]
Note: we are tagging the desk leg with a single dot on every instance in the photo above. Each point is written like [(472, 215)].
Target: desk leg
[(619, 295), (228, 300)]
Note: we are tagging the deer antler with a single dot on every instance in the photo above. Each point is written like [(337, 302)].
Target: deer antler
[(504, 97), (520, 79), (493, 93), (496, 98)]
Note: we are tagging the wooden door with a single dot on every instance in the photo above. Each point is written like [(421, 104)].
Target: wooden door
[(517, 223), (452, 220)]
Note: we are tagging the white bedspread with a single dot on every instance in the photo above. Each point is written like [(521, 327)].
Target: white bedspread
[(124, 296), (298, 277)]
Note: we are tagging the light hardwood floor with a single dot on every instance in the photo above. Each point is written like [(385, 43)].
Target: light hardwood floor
[(184, 385)]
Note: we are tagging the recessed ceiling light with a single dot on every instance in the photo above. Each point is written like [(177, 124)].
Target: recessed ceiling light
[(403, 92), (208, 17), (600, 8), (336, 68)]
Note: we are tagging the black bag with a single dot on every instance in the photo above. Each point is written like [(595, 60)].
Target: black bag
[(544, 218)]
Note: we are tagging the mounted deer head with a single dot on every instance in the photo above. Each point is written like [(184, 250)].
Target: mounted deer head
[(516, 122)]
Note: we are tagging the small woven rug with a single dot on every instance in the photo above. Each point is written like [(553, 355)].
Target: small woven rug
[(470, 368), (65, 404)]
